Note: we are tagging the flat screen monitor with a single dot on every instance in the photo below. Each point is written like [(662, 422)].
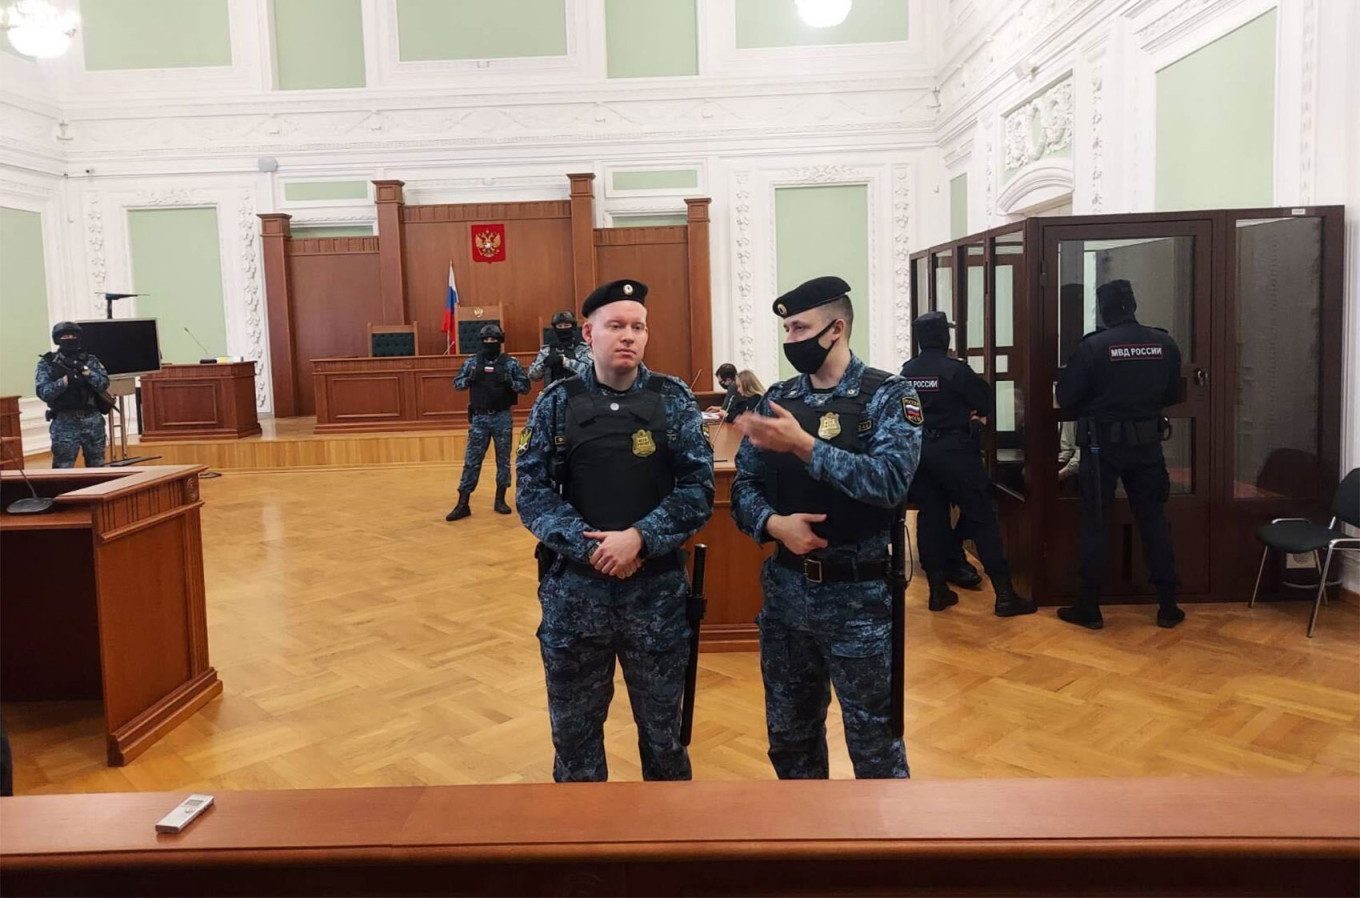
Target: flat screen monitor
[(125, 346)]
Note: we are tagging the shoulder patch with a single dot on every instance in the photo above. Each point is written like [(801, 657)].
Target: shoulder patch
[(524, 436), (911, 411)]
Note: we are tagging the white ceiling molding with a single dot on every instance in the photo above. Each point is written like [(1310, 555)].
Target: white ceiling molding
[(1036, 186)]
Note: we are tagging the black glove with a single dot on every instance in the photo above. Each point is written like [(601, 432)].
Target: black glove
[(476, 373), (553, 361)]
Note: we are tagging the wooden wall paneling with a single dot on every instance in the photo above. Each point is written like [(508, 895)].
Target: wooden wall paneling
[(700, 290), (199, 402), (336, 290), (585, 271), (274, 233), (657, 257), (534, 281), (391, 234)]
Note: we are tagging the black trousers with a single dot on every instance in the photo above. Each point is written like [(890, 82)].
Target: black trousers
[(951, 472), (1143, 470)]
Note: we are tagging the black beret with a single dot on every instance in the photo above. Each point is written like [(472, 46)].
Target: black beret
[(614, 291), (491, 331), (1119, 293), (65, 327), (563, 317), (810, 295), (930, 320)]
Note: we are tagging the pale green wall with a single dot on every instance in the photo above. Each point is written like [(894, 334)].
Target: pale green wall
[(671, 179), (480, 29), (776, 23), (155, 34), (650, 221), (651, 38), (1216, 123), (318, 44), (24, 325), (302, 231), (175, 258), (309, 191), (824, 230), (958, 207)]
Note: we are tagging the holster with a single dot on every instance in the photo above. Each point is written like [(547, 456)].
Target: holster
[(547, 560)]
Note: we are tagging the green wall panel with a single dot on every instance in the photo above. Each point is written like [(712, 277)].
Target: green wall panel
[(302, 231), (478, 29), (958, 207), (155, 34), (175, 258), (651, 38), (318, 44), (824, 230), (310, 191), (25, 329), (776, 23), (1216, 123), (650, 221), (670, 179)]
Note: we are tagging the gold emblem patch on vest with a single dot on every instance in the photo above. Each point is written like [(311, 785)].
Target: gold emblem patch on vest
[(524, 440), (643, 444), (829, 427)]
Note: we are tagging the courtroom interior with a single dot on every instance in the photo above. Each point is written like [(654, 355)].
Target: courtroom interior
[(953, 401)]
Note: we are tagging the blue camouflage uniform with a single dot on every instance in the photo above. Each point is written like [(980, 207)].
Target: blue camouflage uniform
[(77, 424), (590, 619), (815, 635), (488, 426), (576, 358)]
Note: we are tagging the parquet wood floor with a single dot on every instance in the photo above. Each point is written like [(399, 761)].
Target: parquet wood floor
[(363, 641)]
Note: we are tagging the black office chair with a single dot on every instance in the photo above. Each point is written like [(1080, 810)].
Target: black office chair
[(1298, 535)]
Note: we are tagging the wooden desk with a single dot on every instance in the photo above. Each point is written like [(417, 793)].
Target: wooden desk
[(102, 598), (196, 402), (1183, 836), (398, 393), (732, 582), (11, 434)]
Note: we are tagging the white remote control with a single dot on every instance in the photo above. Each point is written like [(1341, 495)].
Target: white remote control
[(184, 814)]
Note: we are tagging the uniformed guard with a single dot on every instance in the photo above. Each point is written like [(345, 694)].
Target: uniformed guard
[(827, 458), (613, 476), (1119, 380), (565, 355), (951, 470), (494, 380), (73, 383)]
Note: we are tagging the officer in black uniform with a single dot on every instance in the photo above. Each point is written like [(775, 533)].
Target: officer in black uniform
[(1118, 382), (951, 471)]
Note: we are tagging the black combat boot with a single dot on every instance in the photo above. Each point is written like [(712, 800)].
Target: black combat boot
[(1083, 615), (964, 576), (941, 596), (1010, 603), (500, 507), (1168, 612), (461, 510)]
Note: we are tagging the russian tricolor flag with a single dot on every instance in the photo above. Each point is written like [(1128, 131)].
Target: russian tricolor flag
[(450, 304)]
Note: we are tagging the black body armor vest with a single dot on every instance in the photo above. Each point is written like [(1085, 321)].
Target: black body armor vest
[(617, 454), (491, 391), (78, 395), (790, 489)]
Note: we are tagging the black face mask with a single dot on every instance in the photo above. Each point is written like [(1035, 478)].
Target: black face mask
[(491, 348), (806, 356), (564, 334), (69, 346)]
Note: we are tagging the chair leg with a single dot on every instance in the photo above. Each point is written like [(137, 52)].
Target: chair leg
[(1317, 563), (1322, 590), (1261, 570)]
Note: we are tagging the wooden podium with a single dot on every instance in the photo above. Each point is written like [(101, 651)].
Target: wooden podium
[(11, 435), (102, 598), (732, 582), (194, 402)]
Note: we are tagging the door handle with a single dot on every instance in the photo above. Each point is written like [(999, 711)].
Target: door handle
[(1201, 377)]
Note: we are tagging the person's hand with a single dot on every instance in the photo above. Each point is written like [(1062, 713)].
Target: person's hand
[(617, 553), (553, 360), (713, 409), (794, 531), (781, 433)]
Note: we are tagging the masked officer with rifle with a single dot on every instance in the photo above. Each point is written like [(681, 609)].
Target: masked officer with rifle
[(1119, 380), (824, 470), (74, 385), (564, 355), (951, 470), (613, 476), (494, 380)]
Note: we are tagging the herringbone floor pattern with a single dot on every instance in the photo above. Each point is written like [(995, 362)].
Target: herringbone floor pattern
[(363, 641)]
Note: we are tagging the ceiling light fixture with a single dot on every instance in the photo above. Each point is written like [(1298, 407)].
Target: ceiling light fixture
[(36, 28), (823, 13)]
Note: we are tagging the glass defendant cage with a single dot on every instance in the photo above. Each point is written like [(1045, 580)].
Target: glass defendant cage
[(1254, 299)]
